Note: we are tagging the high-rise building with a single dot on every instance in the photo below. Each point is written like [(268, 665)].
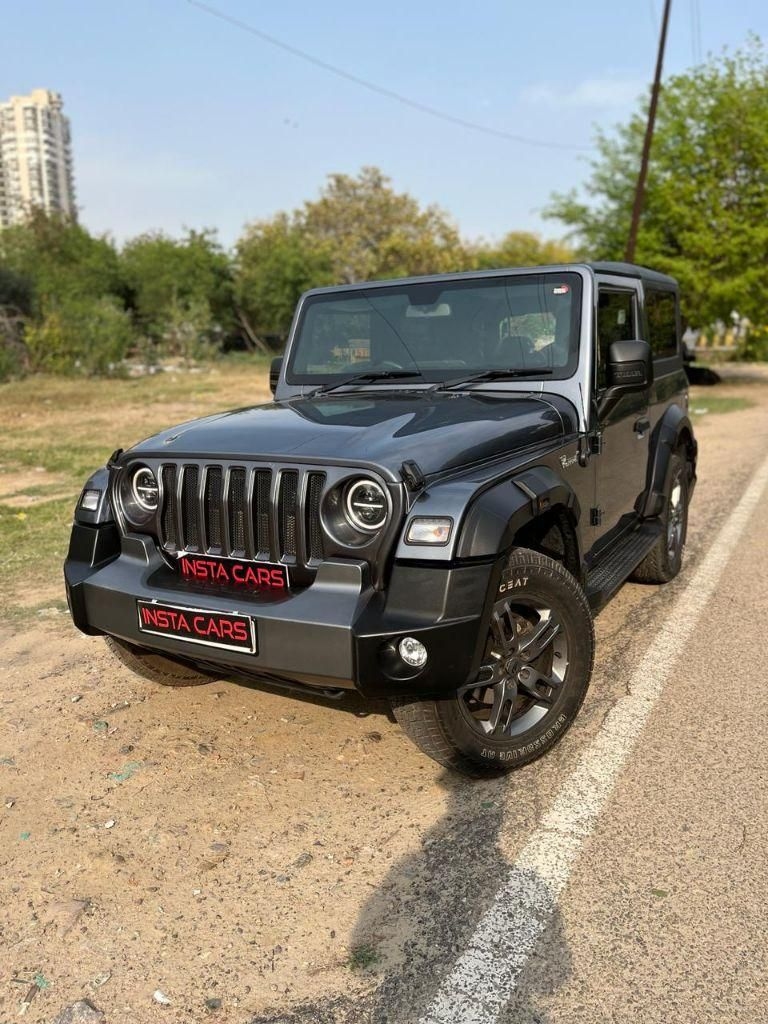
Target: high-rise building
[(35, 157)]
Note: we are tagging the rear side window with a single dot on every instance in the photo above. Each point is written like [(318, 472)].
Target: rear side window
[(616, 321), (661, 310)]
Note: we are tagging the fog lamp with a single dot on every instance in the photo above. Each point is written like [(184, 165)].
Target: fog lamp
[(89, 500), (412, 651)]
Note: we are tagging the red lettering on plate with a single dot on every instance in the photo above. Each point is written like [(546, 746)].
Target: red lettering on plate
[(149, 616), (240, 631), (241, 573), (278, 578)]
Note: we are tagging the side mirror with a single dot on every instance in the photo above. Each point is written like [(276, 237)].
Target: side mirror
[(274, 373), (629, 371), (630, 366)]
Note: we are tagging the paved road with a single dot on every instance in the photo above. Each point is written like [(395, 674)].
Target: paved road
[(262, 847), (650, 906)]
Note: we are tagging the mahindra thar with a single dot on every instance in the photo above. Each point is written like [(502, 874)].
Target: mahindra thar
[(455, 474)]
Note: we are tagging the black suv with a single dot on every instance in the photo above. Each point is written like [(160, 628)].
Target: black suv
[(455, 473)]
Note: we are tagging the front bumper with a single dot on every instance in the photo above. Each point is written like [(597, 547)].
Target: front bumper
[(337, 633)]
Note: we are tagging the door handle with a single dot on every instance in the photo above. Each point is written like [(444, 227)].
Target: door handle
[(642, 426)]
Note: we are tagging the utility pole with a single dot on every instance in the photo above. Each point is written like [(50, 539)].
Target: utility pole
[(637, 207)]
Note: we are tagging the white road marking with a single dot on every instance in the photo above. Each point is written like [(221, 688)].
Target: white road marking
[(485, 975)]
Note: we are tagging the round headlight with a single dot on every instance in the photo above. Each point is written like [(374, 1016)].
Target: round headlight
[(144, 489), (366, 505)]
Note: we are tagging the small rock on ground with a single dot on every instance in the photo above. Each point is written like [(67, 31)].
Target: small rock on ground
[(81, 1012)]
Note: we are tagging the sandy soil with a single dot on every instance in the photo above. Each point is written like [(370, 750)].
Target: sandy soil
[(233, 845)]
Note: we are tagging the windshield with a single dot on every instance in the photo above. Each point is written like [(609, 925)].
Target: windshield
[(441, 330)]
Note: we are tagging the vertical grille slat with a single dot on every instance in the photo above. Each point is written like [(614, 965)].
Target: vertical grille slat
[(261, 512), (314, 533), (286, 507), (257, 513), (190, 509), (170, 533), (236, 510), (213, 496)]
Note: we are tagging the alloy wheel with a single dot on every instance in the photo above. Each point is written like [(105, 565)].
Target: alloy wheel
[(523, 670)]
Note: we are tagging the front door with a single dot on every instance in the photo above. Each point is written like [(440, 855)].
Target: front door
[(623, 464)]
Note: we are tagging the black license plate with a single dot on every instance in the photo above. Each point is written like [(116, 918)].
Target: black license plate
[(229, 630), (233, 572)]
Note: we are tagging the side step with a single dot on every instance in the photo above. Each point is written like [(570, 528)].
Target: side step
[(618, 563)]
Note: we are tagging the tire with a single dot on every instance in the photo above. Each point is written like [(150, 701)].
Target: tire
[(155, 667), (664, 560), (535, 673)]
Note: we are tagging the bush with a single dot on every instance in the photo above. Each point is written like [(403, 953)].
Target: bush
[(11, 360), (88, 336), (14, 360), (755, 347)]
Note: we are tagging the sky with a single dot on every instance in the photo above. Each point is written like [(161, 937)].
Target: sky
[(183, 120)]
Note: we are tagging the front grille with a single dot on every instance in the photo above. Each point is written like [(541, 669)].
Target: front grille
[(286, 504), (237, 511)]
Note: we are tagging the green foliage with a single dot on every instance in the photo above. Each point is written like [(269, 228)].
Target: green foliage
[(520, 249), (12, 359), (358, 229), (71, 303), (369, 231), (16, 291), (754, 349), (275, 262), (59, 259), (363, 958), (705, 218), (180, 290), (89, 336)]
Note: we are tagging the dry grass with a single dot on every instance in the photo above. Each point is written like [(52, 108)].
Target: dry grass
[(56, 431)]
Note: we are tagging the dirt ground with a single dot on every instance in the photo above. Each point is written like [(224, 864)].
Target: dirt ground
[(245, 853)]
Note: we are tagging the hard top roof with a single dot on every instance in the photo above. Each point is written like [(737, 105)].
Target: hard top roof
[(633, 270), (620, 269)]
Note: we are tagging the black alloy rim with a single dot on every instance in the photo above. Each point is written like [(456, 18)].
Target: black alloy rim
[(523, 671)]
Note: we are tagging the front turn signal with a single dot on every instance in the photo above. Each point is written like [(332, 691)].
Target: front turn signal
[(429, 530)]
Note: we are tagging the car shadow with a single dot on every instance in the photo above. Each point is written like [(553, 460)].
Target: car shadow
[(349, 701), (422, 916)]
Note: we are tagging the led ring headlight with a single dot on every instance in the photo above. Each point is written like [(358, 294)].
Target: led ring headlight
[(366, 505), (145, 490)]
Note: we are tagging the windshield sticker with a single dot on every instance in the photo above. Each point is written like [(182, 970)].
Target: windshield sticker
[(560, 289)]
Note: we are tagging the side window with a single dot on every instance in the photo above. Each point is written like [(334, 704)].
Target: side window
[(616, 321), (661, 310)]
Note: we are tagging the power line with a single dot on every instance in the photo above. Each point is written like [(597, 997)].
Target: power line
[(380, 89)]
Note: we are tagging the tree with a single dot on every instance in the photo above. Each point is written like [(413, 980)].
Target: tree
[(59, 260), (359, 229), (170, 281), (520, 249), (275, 262), (370, 231), (705, 218)]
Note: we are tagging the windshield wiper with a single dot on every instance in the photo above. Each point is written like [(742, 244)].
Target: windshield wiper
[(508, 374), (365, 378)]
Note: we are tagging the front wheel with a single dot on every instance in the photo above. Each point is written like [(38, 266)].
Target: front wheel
[(534, 674)]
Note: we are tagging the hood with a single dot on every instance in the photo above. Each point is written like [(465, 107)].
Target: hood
[(440, 432)]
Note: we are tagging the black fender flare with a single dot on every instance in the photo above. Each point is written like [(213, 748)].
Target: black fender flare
[(673, 430), (500, 511)]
